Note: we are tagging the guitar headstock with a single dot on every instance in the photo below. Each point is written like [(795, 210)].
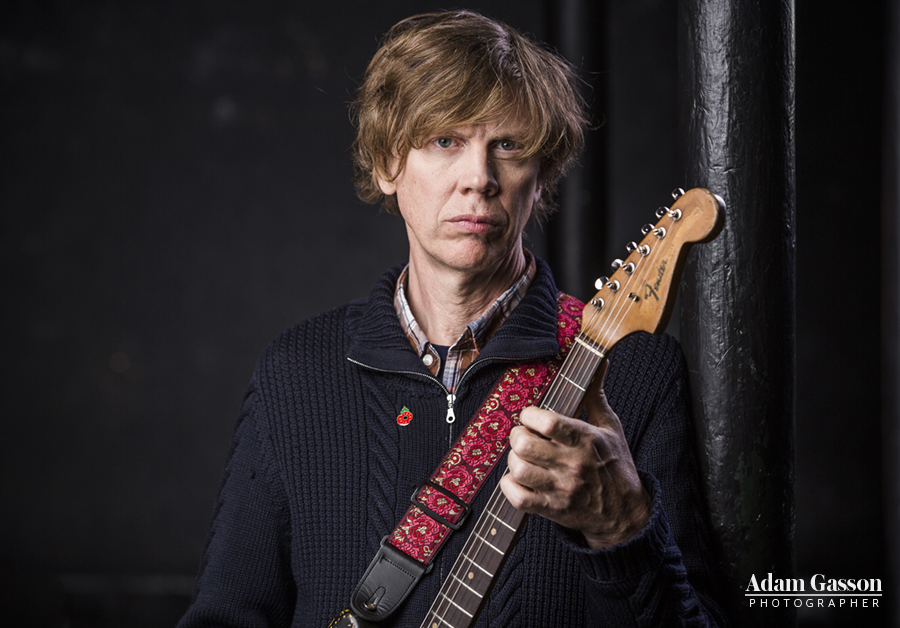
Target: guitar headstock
[(640, 294)]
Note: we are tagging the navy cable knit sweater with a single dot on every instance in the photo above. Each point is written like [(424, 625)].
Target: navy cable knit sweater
[(320, 471)]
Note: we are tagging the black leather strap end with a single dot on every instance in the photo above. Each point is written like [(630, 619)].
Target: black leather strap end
[(390, 578)]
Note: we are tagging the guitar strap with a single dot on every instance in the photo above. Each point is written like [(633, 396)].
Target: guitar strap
[(441, 503)]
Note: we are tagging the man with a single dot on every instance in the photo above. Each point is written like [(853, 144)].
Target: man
[(464, 128)]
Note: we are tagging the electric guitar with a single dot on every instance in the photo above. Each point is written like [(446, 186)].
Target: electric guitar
[(638, 296)]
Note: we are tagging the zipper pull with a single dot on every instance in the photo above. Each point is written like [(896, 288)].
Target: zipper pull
[(451, 415)]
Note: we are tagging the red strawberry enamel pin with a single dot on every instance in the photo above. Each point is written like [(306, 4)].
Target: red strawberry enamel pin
[(404, 417)]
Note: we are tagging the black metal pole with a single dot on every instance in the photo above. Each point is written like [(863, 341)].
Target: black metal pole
[(736, 127)]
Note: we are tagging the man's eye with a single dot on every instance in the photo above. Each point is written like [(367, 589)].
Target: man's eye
[(444, 142), (507, 145)]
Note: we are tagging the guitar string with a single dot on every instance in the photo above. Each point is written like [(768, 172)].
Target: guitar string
[(453, 586), (580, 363), (442, 602), (580, 356), (496, 500)]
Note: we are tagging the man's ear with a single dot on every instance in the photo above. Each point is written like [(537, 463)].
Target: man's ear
[(388, 188)]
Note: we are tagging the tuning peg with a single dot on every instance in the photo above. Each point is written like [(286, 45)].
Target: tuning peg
[(613, 285), (631, 246), (600, 282), (644, 250), (662, 211), (597, 303), (677, 193), (628, 268), (675, 214), (660, 232), (646, 229), (617, 263)]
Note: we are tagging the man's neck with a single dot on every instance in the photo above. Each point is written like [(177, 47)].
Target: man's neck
[(444, 300)]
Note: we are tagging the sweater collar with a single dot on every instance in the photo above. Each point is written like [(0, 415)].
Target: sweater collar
[(378, 340)]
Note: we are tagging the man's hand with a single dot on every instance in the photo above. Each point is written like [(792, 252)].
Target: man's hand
[(580, 475)]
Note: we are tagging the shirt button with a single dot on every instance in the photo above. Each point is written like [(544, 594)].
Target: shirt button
[(428, 359)]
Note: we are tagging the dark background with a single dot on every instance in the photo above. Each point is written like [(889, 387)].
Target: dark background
[(175, 189)]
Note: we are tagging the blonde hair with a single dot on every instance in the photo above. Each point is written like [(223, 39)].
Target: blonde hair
[(441, 70)]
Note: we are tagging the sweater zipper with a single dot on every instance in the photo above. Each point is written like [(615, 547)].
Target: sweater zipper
[(451, 416)]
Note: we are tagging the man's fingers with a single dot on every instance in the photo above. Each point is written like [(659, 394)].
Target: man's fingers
[(549, 425), (520, 497), (528, 474), (598, 411)]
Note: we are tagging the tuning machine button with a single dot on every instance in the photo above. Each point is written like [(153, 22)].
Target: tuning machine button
[(677, 193), (646, 229), (617, 263), (600, 282), (631, 246), (662, 211)]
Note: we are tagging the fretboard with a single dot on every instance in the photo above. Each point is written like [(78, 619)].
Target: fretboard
[(494, 534)]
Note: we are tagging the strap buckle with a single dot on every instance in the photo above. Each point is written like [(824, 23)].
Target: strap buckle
[(446, 493)]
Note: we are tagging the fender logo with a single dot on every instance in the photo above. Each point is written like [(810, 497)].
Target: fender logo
[(652, 291)]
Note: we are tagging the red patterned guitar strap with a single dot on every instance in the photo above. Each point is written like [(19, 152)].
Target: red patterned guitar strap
[(441, 503)]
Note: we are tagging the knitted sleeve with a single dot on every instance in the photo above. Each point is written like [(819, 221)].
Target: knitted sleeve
[(245, 576), (664, 576)]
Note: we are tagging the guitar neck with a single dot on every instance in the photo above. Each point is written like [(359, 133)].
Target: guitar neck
[(497, 529), (638, 296)]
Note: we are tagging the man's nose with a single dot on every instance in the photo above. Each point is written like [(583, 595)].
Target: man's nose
[(478, 171)]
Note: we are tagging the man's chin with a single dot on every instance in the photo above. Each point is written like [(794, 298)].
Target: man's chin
[(480, 258)]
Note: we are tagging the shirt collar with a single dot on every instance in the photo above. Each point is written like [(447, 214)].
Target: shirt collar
[(479, 330)]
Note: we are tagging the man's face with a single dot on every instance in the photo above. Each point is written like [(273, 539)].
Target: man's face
[(464, 198)]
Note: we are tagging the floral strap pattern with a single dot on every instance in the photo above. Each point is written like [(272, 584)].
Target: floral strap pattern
[(478, 449)]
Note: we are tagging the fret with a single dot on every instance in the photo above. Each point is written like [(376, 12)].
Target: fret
[(455, 604), (500, 519), (575, 384), (455, 577), (474, 562), (443, 622), (462, 594), (593, 347), (488, 543)]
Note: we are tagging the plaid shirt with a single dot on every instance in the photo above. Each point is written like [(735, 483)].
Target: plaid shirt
[(476, 334)]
